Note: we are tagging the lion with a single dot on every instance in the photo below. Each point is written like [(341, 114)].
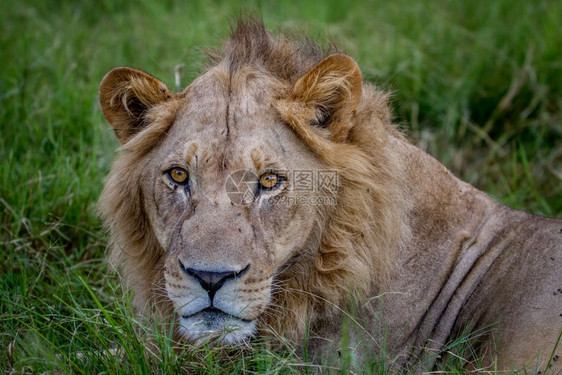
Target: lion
[(274, 195)]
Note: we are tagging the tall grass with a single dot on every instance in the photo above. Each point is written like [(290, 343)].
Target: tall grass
[(477, 84)]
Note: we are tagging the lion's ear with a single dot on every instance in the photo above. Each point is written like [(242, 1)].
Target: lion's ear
[(126, 95), (333, 88)]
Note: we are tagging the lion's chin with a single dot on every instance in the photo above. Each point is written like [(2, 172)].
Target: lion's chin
[(216, 326)]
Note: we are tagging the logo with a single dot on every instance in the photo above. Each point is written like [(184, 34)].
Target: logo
[(242, 187)]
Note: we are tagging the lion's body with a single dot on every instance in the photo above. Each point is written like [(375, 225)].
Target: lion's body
[(472, 263), (426, 255)]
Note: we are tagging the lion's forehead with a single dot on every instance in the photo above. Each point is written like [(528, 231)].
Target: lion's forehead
[(219, 98), (230, 122)]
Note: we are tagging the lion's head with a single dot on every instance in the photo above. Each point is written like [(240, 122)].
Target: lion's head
[(259, 197)]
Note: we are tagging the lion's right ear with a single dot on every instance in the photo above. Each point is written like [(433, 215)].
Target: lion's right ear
[(126, 95), (333, 86)]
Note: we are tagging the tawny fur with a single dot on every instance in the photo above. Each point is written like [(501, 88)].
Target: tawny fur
[(402, 224)]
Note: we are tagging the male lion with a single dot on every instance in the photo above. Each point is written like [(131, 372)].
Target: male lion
[(275, 195)]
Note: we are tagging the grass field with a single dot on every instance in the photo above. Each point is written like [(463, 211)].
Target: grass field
[(478, 84)]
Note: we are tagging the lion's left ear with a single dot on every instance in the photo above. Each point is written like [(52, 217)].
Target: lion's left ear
[(332, 88), (126, 96)]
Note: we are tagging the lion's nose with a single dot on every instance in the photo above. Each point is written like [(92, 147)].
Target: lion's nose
[(212, 281)]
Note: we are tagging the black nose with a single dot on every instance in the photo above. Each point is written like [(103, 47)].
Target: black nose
[(212, 281)]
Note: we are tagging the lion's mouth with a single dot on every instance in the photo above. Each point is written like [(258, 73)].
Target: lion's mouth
[(211, 314), (213, 323)]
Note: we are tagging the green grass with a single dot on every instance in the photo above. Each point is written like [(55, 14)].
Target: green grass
[(477, 84)]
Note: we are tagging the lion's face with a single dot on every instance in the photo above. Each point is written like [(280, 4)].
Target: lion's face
[(216, 195), (221, 201)]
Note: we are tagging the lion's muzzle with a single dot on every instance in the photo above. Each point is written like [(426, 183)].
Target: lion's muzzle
[(211, 303), (212, 281)]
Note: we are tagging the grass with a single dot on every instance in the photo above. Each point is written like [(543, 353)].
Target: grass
[(476, 84)]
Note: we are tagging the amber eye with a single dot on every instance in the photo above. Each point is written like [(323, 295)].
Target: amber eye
[(178, 175), (269, 180)]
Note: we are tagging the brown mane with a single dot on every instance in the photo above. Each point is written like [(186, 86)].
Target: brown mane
[(355, 249), (286, 58)]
